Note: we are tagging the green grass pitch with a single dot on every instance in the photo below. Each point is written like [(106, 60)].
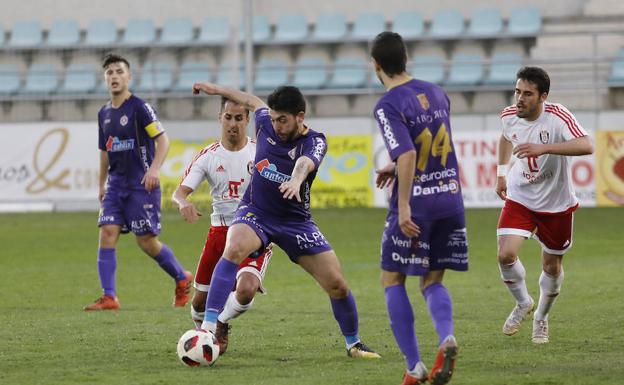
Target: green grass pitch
[(48, 273)]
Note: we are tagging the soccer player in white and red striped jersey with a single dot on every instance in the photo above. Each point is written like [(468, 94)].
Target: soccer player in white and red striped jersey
[(227, 166), (538, 193)]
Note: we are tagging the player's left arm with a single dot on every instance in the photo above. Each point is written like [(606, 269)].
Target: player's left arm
[(151, 179), (303, 167), (573, 147)]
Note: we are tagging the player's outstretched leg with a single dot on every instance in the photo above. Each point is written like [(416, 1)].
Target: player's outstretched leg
[(345, 312), (513, 276), (401, 317), (107, 266)]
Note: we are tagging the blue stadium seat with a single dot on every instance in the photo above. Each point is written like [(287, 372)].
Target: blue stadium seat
[(486, 23), (156, 76), (139, 31), (101, 32), (42, 78), (225, 76), (524, 22), (9, 79), (291, 28), (311, 73), (409, 25), (429, 68), (616, 78), (504, 68), (79, 78), (270, 74), (466, 70), (64, 33), (1, 35), (214, 31), (349, 73), (25, 34), (330, 27), (177, 31), (367, 25), (190, 73), (260, 29), (447, 24)]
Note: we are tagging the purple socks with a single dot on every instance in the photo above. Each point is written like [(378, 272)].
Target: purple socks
[(440, 309), (346, 314), (107, 265), (168, 262), (223, 280), (402, 323)]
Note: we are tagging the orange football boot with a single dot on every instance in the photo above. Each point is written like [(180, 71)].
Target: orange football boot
[(444, 363), (105, 302), (183, 290)]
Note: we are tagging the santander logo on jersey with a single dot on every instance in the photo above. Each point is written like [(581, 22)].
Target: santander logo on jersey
[(269, 171), (113, 144)]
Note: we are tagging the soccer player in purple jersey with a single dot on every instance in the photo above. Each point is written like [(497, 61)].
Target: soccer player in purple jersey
[(425, 231), (276, 207), (133, 146)]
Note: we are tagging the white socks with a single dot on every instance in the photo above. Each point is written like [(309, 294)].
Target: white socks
[(197, 316), (233, 309), (549, 290), (513, 276)]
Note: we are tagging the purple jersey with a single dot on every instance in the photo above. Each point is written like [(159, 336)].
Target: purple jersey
[(415, 115), (274, 164), (127, 134)]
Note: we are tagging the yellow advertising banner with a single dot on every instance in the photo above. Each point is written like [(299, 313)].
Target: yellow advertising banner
[(610, 167), (343, 180), (181, 154)]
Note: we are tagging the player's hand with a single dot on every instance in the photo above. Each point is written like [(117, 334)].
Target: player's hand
[(190, 213), (290, 189), (101, 194), (408, 227), (205, 87), (529, 150), (501, 187), (150, 179), (385, 176)]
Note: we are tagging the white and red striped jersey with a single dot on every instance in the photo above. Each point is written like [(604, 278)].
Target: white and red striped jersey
[(542, 184), (227, 172)]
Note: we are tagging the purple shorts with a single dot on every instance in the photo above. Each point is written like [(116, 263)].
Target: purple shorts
[(295, 237), (134, 210), (442, 244)]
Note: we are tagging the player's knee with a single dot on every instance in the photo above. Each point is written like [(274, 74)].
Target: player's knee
[(107, 237), (149, 245), (245, 291), (338, 289), (506, 256), (235, 252)]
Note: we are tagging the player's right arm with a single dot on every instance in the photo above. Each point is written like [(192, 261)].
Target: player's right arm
[(187, 209), (249, 101), (406, 167), (505, 147), (103, 174)]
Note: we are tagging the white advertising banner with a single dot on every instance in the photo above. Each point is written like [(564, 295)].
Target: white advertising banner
[(477, 155), (49, 162)]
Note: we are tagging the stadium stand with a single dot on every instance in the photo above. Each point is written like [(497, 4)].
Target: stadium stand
[(63, 33), (139, 32), (80, 78), (485, 23), (25, 34), (260, 29), (524, 22), (367, 25), (9, 79), (270, 74), (214, 31), (466, 70), (409, 25), (101, 32), (330, 27), (504, 66), (349, 72), (42, 78), (190, 73), (616, 78), (447, 24), (156, 76), (291, 28), (177, 31), (310, 73)]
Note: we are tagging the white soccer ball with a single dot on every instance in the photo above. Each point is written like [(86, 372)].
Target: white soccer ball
[(198, 348)]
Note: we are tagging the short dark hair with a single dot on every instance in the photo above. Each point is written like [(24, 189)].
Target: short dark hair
[(114, 58), (390, 53), (287, 99), (225, 100), (537, 76)]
